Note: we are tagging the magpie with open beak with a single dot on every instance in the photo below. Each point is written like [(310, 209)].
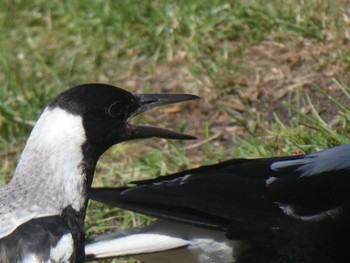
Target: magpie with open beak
[(42, 208), (282, 209)]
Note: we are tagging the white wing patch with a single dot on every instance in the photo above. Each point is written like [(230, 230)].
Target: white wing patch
[(60, 253), (134, 244), (63, 250), (31, 258)]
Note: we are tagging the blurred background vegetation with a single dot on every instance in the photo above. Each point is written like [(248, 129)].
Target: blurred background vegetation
[(272, 76)]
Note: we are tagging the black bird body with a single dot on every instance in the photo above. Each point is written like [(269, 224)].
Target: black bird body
[(42, 208), (284, 209)]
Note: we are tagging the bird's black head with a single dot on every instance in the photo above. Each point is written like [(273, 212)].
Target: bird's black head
[(105, 111)]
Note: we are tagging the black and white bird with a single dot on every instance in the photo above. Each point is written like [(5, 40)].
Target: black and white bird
[(283, 209), (42, 208)]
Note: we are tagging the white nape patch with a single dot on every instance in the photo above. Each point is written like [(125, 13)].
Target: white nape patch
[(270, 180), (133, 245), (49, 175), (213, 251), (288, 210), (63, 250)]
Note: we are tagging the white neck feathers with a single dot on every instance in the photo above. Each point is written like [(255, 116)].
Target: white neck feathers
[(49, 175)]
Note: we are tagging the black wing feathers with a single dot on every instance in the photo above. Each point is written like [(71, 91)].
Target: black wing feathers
[(183, 214), (240, 190), (36, 237), (285, 209), (232, 190), (312, 195)]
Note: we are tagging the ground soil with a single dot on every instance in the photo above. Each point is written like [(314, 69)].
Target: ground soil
[(270, 75)]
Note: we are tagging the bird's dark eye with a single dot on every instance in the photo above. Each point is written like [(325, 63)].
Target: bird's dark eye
[(116, 109)]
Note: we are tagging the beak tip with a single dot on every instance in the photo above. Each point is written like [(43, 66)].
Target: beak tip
[(180, 136), (193, 97), (190, 137)]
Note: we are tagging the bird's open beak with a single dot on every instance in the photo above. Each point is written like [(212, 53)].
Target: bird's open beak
[(150, 101)]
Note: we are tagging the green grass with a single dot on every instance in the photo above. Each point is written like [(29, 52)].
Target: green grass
[(48, 46)]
